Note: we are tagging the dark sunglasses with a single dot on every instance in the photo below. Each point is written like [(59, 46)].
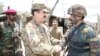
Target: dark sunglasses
[(13, 14)]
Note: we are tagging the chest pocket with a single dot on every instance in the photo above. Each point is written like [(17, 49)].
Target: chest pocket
[(7, 32)]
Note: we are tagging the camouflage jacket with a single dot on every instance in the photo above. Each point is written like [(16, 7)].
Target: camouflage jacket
[(7, 34), (37, 39)]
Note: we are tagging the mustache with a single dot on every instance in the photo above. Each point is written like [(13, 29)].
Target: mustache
[(44, 16)]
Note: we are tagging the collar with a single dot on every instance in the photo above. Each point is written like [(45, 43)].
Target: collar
[(7, 23)]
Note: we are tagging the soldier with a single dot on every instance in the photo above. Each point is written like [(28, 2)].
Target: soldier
[(36, 35), (8, 32), (81, 40)]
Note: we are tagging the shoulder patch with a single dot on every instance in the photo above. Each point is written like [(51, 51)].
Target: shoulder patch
[(85, 30)]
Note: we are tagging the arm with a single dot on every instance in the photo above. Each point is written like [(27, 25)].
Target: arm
[(93, 43), (64, 40), (1, 26)]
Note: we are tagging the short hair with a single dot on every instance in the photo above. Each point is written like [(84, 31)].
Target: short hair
[(34, 10)]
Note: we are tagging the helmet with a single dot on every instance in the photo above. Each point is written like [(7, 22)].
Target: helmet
[(10, 11), (77, 10)]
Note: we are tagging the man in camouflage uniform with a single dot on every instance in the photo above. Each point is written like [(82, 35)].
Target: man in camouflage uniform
[(81, 40), (8, 34), (36, 35)]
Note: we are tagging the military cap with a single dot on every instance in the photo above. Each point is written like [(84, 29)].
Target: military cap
[(10, 11), (41, 7)]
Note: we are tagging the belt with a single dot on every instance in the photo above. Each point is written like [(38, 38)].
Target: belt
[(41, 55)]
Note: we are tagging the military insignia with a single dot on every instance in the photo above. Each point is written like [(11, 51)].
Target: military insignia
[(84, 31)]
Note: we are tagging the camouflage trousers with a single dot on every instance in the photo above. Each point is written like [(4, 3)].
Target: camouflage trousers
[(42, 55), (56, 54), (28, 52)]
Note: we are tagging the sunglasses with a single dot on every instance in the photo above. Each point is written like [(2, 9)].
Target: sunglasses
[(13, 14)]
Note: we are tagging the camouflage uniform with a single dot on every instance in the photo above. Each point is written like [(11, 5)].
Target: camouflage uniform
[(7, 39), (37, 40), (82, 40)]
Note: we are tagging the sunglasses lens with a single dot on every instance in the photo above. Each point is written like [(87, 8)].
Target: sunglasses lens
[(13, 14)]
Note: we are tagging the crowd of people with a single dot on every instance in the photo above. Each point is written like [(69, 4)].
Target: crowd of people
[(38, 39)]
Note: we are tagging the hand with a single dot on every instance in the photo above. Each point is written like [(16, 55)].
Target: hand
[(57, 48), (56, 41)]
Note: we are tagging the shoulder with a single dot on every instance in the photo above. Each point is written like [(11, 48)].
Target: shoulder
[(30, 27), (88, 28), (89, 31), (2, 24), (46, 28)]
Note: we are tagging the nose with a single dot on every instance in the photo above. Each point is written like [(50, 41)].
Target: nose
[(45, 14)]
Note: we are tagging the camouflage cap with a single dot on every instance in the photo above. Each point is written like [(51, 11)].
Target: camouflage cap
[(40, 6)]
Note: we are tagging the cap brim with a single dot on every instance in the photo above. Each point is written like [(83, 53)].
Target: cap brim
[(45, 10)]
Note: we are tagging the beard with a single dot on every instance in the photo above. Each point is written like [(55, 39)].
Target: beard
[(13, 19), (74, 21)]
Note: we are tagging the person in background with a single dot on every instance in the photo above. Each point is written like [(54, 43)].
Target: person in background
[(56, 31)]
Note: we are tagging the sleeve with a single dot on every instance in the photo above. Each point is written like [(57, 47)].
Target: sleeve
[(35, 44), (93, 42), (64, 40), (1, 31), (1, 34)]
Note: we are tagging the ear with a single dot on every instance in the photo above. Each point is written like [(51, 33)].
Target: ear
[(35, 13)]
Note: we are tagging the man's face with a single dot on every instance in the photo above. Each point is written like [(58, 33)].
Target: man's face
[(55, 23), (75, 19), (41, 16), (12, 17)]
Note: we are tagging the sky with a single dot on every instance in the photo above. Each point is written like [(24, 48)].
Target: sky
[(92, 6)]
